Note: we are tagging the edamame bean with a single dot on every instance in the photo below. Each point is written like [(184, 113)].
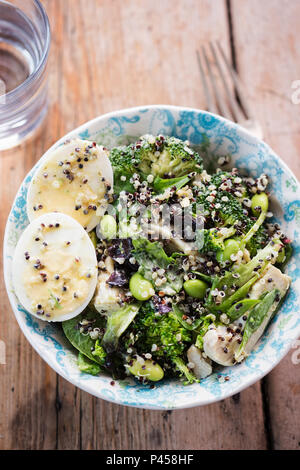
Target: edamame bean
[(108, 227), (259, 200), (140, 288), (231, 248), (195, 288), (148, 369)]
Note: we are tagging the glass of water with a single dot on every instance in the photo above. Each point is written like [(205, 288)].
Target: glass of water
[(24, 48)]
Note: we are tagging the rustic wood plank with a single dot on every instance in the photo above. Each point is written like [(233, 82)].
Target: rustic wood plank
[(142, 75), (109, 54), (266, 36), (283, 398), (234, 423), (27, 385)]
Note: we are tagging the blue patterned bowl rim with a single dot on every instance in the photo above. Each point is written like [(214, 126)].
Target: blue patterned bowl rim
[(248, 153)]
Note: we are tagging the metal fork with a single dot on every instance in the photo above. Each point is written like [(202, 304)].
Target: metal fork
[(233, 106)]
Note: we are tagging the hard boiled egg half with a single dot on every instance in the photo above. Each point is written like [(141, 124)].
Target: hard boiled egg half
[(76, 179), (54, 268)]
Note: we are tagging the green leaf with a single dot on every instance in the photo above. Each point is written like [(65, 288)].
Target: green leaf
[(178, 314), (117, 323), (184, 371), (161, 184), (154, 250), (83, 342), (87, 366), (54, 300), (99, 354)]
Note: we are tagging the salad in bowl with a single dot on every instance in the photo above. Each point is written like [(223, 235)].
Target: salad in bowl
[(151, 261)]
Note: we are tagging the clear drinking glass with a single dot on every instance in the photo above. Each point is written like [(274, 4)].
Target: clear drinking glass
[(24, 47)]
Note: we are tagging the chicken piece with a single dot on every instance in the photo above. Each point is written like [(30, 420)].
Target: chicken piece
[(272, 278), (220, 344), (173, 243), (107, 299), (202, 367)]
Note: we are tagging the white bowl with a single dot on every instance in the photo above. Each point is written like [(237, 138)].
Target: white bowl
[(249, 154)]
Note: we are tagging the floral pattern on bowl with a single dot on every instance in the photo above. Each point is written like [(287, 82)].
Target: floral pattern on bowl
[(249, 154)]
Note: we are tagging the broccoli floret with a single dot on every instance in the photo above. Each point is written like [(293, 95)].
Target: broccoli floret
[(230, 205), (163, 330), (160, 156), (164, 336), (257, 241), (212, 240)]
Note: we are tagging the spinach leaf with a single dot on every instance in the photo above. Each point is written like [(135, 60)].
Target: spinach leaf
[(87, 366), (82, 340), (117, 323)]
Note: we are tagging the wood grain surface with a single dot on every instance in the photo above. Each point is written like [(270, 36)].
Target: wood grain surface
[(112, 54)]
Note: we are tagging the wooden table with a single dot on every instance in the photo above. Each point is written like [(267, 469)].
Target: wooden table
[(112, 54)]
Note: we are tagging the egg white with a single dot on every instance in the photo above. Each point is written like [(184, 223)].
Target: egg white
[(60, 193), (69, 242)]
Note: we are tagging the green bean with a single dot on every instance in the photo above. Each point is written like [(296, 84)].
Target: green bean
[(195, 288), (259, 200), (146, 368), (108, 226), (140, 288), (240, 308)]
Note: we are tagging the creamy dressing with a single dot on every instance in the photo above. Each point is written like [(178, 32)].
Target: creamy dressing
[(66, 187), (55, 267), (76, 180), (59, 284)]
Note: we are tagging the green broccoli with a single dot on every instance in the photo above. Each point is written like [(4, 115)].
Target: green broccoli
[(161, 156), (232, 213), (162, 335), (257, 241), (212, 240)]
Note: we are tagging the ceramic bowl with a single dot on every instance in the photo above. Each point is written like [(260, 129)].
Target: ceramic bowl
[(248, 154)]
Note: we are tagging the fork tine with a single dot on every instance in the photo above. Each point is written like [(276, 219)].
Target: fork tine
[(209, 101), (220, 102), (237, 83), (236, 111)]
